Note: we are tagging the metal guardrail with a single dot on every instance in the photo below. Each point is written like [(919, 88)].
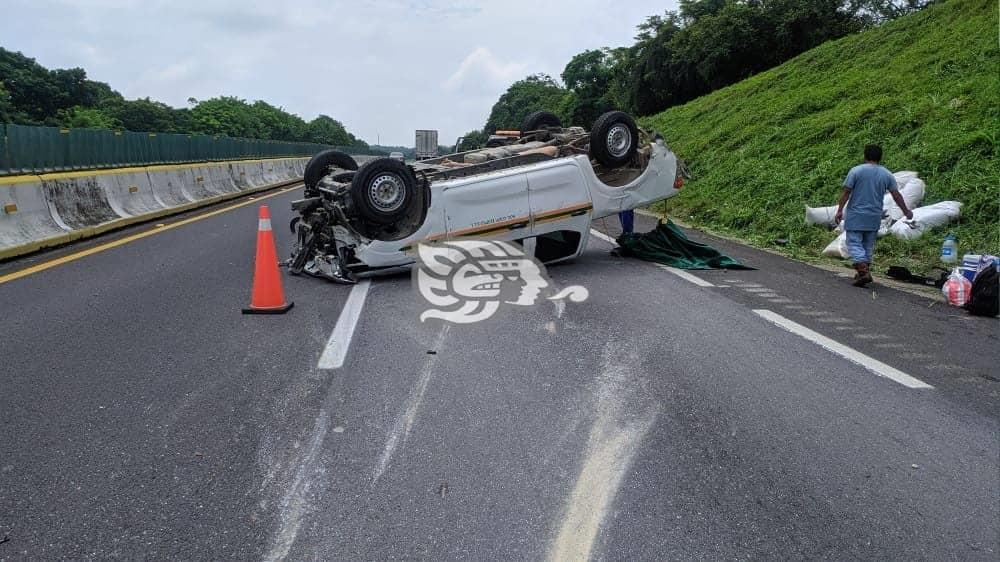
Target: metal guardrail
[(36, 150)]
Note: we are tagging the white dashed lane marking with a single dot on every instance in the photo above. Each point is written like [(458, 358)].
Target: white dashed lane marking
[(917, 356), (603, 236), (871, 336), (340, 340), (686, 276), (874, 365), (948, 367)]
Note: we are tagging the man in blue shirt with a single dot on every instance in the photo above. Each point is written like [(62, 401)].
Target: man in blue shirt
[(864, 192)]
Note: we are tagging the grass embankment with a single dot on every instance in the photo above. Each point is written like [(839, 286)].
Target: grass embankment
[(925, 87)]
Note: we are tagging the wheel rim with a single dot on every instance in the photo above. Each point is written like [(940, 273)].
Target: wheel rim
[(387, 192), (619, 140)]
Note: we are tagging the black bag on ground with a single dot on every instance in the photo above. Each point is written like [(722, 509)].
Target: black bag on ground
[(984, 300)]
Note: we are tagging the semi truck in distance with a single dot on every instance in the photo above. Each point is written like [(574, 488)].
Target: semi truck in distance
[(427, 144)]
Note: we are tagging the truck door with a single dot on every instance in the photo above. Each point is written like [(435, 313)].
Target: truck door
[(559, 198), (490, 207)]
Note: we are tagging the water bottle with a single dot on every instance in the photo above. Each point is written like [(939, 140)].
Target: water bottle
[(949, 250)]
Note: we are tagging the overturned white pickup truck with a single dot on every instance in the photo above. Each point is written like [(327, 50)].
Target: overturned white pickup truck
[(541, 187)]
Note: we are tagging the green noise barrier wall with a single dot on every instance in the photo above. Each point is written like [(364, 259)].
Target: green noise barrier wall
[(39, 150)]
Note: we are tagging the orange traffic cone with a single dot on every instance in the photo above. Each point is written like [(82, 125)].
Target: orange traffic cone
[(268, 296)]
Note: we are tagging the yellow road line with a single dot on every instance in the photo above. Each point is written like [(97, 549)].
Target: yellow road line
[(132, 238)]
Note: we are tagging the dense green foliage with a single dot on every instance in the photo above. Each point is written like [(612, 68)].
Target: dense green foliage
[(534, 93), (713, 43), (587, 77), (678, 56), (30, 94), (925, 87), (473, 140)]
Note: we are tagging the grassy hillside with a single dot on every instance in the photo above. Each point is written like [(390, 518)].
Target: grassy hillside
[(925, 87)]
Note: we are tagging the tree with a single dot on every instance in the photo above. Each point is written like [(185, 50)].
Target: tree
[(6, 107), (693, 10), (588, 76), (473, 140), (276, 123), (327, 130), (86, 117), (35, 95), (30, 94), (142, 115), (226, 115), (535, 93), (874, 12), (641, 76)]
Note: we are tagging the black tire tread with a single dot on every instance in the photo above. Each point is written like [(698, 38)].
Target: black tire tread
[(320, 163), (598, 135), (539, 119)]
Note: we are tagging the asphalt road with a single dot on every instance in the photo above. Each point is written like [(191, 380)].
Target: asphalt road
[(142, 416)]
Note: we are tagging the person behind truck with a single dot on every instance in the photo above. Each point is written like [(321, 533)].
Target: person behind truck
[(864, 192), (628, 221)]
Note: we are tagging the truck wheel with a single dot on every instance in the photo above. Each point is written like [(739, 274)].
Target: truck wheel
[(319, 165), (384, 191), (614, 139), (539, 120)]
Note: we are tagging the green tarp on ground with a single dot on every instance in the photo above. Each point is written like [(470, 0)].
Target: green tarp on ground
[(668, 245)]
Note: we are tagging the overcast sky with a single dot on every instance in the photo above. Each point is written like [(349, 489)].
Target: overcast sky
[(382, 67)]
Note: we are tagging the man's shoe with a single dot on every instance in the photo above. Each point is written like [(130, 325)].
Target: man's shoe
[(863, 276)]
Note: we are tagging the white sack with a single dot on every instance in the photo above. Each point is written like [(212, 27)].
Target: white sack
[(837, 248), (926, 218), (910, 187), (902, 178), (820, 215), (913, 195), (883, 229)]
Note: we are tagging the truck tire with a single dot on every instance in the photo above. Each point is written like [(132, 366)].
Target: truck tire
[(614, 139), (319, 165), (539, 120), (384, 192)]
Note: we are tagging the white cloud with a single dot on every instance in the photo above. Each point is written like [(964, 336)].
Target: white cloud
[(482, 69)]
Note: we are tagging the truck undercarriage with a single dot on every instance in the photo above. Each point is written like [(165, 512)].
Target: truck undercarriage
[(529, 184)]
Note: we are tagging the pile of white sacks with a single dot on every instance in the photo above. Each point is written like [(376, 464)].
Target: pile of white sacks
[(912, 189)]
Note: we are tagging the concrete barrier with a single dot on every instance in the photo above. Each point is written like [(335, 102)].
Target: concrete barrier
[(171, 186), (24, 212), (270, 176), (78, 202), (131, 194), (287, 170), (255, 174), (51, 209), (222, 180), (239, 173)]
